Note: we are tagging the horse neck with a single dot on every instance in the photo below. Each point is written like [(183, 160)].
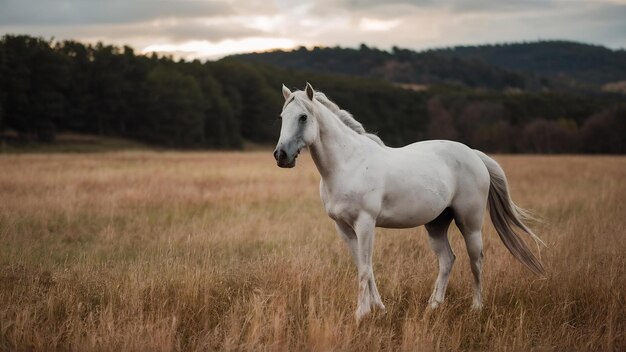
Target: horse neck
[(335, 144)]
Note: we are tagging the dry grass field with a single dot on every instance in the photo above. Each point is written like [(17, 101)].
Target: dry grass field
[(150, 251)]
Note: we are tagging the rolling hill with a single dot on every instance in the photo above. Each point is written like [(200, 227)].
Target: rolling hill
[(552, 65)]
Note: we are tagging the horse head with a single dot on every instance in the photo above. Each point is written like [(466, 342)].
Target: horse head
[(299, 127)]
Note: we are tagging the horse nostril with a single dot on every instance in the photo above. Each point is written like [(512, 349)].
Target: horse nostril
[(280, 154)]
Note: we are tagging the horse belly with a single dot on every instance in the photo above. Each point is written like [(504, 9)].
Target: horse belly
[(413, 198), (410, 212)]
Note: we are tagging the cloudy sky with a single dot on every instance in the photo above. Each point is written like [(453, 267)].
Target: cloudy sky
[(209, 29)]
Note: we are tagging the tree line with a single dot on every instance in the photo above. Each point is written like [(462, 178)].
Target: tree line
[(399, 66), (562, 63), (533, 66), (47, 87)]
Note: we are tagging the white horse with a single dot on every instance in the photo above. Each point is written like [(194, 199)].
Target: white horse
[(366, 184)]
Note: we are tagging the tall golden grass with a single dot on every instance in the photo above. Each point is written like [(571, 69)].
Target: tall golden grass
[(225, 251)]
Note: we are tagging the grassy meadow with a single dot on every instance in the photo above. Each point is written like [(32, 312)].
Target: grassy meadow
[(166, 251)]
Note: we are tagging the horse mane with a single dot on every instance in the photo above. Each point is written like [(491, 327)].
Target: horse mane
[(346, 117)]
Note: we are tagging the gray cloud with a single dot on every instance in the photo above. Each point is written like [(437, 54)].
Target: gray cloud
[(185, 31), (88, 12), (401, 8), (360, 4), (459, 6), (502, 5), (416, 24), (143, 32), (473, 5)]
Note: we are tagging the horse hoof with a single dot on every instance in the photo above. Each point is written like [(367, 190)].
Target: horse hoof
[(360, 314), (433, 303), (378, 304)]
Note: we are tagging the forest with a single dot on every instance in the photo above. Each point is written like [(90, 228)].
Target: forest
[(536, 66), (49, 87)]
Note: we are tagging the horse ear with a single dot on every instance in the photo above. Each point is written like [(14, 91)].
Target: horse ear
[(309, 91), (286, 92)]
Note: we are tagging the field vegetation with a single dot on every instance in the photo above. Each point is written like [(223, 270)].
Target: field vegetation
[(163, 251)]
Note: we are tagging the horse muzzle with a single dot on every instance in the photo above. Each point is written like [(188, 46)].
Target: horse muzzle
[(284, 159)]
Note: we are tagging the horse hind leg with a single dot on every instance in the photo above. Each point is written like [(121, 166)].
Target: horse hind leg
[(474, 244), (438, 238), (470, 222)]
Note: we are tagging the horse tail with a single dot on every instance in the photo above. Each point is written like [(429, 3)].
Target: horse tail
[(505, 215)]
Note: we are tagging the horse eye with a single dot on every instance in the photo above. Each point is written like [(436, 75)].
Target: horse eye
[(302, 118)]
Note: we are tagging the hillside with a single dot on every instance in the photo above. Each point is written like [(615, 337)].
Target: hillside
[(399, 66), (591, 64), (555, 65), (51, 88)]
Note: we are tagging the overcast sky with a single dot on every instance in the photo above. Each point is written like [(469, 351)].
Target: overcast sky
[(211, 29)]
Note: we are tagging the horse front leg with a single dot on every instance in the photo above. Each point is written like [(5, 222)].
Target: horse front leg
[(368, 297), (347, 234)]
